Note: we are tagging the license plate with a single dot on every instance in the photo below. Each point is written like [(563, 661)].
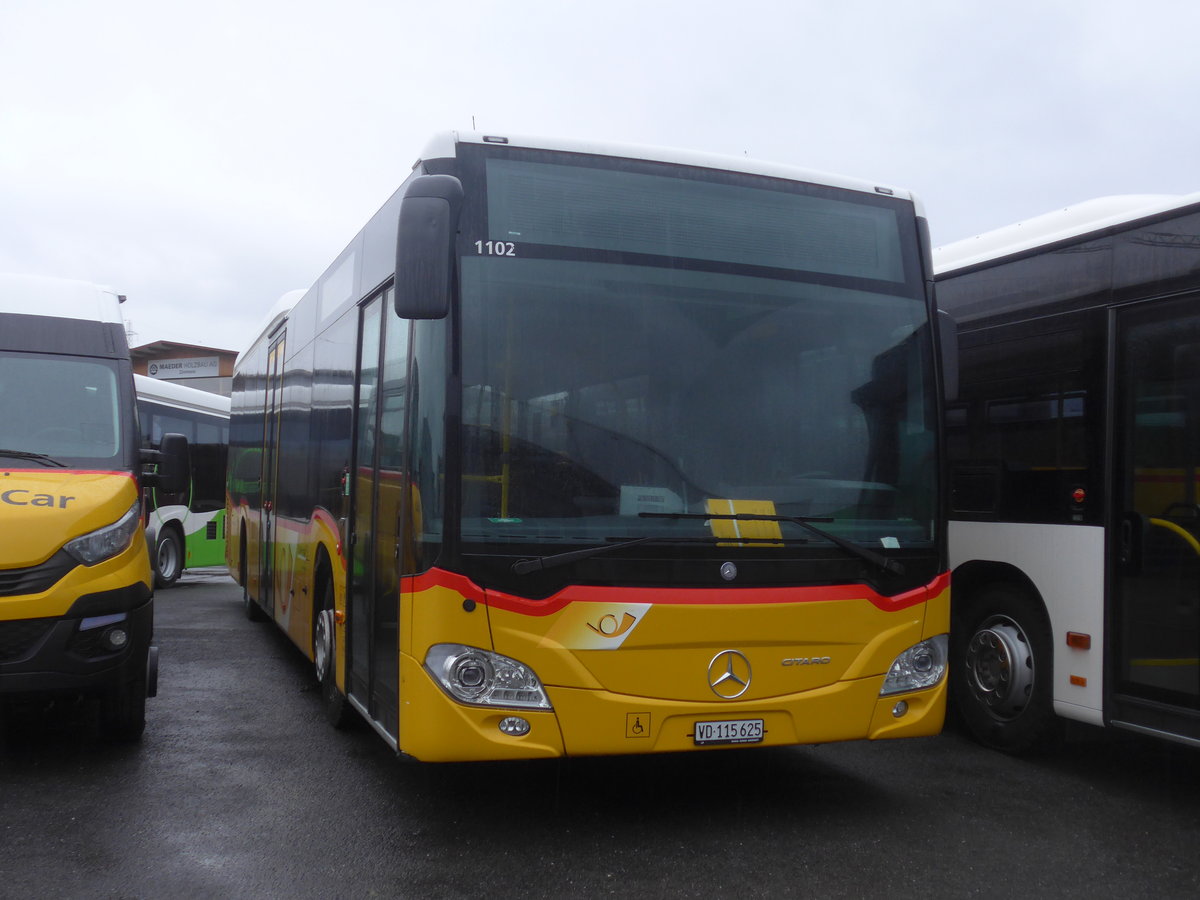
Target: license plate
[(729, 731)]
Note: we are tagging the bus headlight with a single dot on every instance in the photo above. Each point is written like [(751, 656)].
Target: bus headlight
[(107, 542), (483, 678), (921, 666)]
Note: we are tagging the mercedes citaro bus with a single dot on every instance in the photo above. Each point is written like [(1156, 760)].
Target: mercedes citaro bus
[(590, 449)]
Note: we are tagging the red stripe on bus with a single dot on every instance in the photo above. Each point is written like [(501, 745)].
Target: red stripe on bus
[(681, 596), (330, 523)]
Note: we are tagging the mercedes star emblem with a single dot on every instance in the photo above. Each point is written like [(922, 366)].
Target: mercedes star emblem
[(729, 674)]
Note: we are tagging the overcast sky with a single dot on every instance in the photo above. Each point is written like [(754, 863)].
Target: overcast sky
[(205, 158)]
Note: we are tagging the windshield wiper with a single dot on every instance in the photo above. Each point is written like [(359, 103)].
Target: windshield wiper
[(525, 566), (805, 522), (36, 457)]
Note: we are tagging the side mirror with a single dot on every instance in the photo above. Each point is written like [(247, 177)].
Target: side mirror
[(948, 346), (425, 236), (174, 465)]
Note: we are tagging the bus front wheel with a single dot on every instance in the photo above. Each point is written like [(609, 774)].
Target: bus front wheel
[(1000, 657), (168, 558), (337, 707)]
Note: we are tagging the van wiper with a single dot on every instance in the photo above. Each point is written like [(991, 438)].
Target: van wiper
[(525, 566), (36, 457), (805, 522)]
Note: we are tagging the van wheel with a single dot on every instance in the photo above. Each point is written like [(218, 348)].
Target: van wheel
[(168, 558), (337, 708), (1001, 664), (123, 710)]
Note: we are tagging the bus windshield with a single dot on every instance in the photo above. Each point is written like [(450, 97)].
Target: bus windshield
[(66, 409), (676, 373)]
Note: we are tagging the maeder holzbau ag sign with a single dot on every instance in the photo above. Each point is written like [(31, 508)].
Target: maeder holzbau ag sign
[(191, 367)]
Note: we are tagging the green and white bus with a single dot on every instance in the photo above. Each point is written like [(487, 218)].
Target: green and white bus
[(186, 530)]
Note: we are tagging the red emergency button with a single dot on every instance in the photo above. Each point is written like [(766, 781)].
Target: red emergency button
[(1079, 495)]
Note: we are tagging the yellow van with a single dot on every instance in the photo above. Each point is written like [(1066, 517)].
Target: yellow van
[(76, 608)]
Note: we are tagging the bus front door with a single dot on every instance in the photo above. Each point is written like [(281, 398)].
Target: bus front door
[(1155, 614), (374, 597), (270, 477)]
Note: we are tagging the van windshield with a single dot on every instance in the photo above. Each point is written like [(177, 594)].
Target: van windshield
[(65, 408)]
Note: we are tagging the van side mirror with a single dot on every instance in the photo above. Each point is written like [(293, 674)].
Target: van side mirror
[(174, 465), (425, 237)]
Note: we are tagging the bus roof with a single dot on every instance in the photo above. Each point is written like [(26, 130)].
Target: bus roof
[(180, 396), (275, 317), (1062, 225), (442, 146), (59, 298)]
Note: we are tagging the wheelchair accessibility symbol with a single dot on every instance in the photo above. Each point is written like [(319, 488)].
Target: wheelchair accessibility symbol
[(637, 725)]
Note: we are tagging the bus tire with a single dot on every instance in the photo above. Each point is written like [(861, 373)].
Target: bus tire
[(168, 558), (253, 611), (1000, 669), (123, 710), (337, 708), (250, 607)]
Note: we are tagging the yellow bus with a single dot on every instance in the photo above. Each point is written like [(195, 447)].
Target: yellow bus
[(76, 613), (590, 449)]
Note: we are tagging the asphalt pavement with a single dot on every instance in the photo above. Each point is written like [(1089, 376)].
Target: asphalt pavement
[(240, 789)]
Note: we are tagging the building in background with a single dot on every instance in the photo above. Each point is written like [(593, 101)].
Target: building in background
[(204, 368)]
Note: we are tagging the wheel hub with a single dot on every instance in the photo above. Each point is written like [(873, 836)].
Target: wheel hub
[(323, 644), (1000, 667), (168, 558)]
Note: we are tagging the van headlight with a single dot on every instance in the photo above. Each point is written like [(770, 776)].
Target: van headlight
[(483, 678), (921, 666), (105, 543)]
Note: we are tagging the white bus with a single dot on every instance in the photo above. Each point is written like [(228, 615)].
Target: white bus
[(1074, 448), (186, 530)]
